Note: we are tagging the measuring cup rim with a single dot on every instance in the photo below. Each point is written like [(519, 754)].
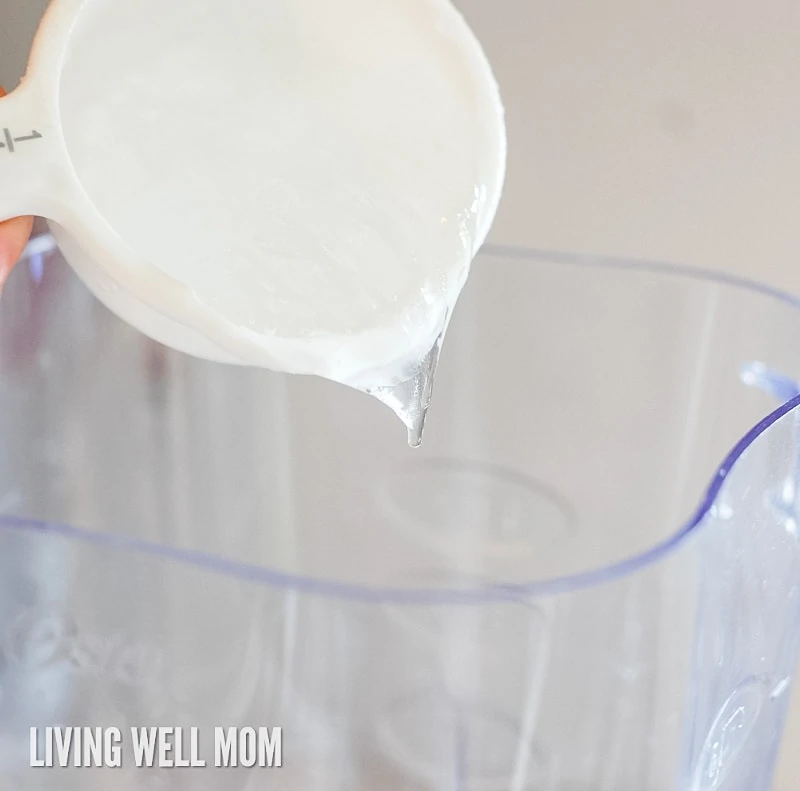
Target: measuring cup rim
[(108, 263), (475, 595)]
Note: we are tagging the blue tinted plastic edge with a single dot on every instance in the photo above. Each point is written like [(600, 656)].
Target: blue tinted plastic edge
[(480, 594)]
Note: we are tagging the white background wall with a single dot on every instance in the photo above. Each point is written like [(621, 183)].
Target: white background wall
[(637, 127), (18, 22), (652, 128)]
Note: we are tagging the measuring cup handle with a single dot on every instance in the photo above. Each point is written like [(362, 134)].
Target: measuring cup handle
[(33, 179)]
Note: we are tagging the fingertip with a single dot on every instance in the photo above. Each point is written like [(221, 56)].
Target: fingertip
[(14, 236)]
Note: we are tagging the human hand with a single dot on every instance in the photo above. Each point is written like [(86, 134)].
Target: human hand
[(14, 235)]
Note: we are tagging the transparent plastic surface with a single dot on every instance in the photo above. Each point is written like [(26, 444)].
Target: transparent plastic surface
[(586, 579)]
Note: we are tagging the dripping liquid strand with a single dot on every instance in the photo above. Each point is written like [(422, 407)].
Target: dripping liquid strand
[(410, 399)]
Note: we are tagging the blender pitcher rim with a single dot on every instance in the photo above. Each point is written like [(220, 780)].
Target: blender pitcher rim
[(473, 595)]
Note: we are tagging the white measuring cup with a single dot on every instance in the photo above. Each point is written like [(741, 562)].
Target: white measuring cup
[(41, 173)]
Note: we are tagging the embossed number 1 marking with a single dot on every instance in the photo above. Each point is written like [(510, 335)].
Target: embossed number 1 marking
[(11, 141)]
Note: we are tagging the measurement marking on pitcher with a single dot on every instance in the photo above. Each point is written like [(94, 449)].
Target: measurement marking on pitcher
[(11, 141)]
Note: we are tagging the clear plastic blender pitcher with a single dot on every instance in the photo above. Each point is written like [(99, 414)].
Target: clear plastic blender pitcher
[(587, 579)]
